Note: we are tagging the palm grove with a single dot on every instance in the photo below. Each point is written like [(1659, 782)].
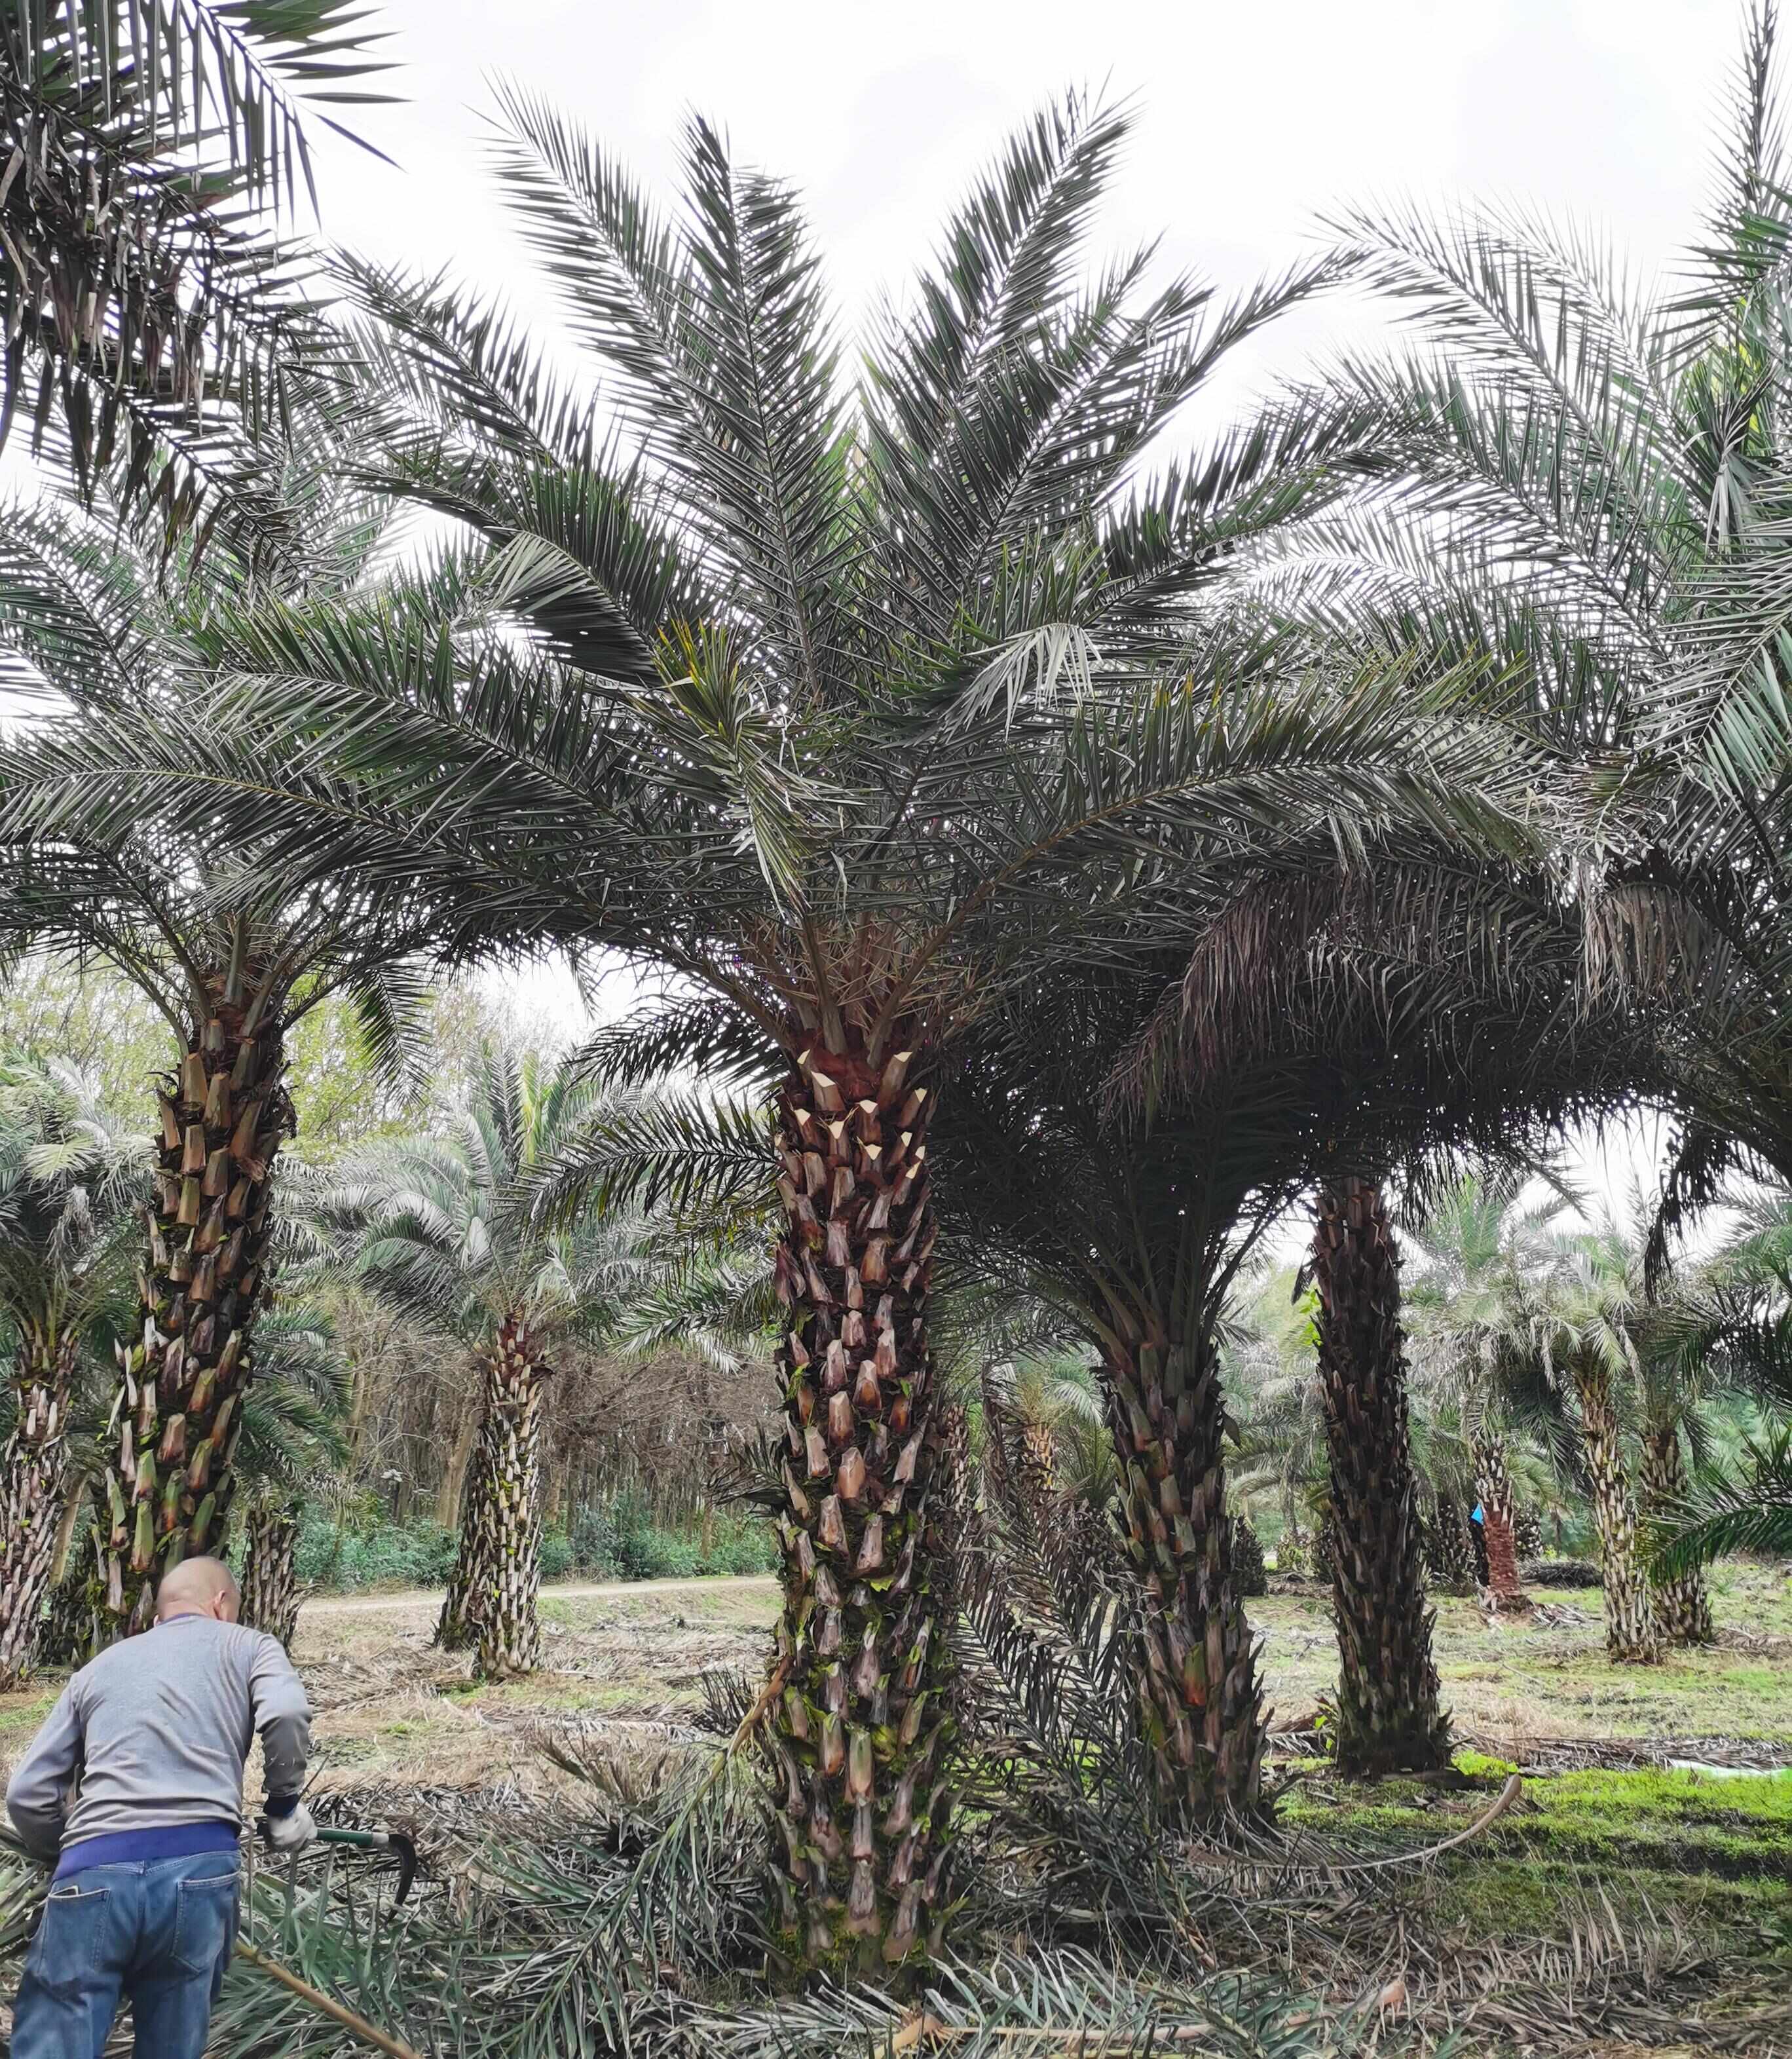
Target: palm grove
[(1049, 850)]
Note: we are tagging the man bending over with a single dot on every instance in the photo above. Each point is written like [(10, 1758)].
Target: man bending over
[(152, 1737)]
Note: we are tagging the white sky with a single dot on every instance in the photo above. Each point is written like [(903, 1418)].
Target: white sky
[(1253, 120)]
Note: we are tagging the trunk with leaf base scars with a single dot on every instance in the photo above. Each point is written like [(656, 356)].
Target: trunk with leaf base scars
[(1196, 1677), (33, 1466), (1493, 1483), (176, 1412), (1632, 1636), (1449, 1549), (1683, 1604), (860, 1721), (498, 1572), (270, 1587), (1388, 1717), (470, 1578)]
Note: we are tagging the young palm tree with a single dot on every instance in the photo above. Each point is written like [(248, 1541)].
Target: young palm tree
[(452, 1229), (1582, 1327), (144, 301), (1478, 1242), (846, 704), (231, 962), (293, 1424), (70, 1189)]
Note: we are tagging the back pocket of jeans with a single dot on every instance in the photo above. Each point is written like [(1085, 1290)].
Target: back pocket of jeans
[(204, 1910), (69, 1940)]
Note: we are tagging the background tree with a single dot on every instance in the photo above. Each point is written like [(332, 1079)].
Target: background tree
[(450, 1229), (71, 1184)]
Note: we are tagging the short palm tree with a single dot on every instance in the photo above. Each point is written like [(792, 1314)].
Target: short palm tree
[(71, 1189), (451, 1228), (1582, 1324), (845, 703), (293, 1421), (1478, 1241)]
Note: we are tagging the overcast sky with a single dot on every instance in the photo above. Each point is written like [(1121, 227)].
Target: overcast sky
[(1253, 121)]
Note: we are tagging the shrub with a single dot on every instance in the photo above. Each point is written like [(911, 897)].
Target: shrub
[(595, 1544), (333, 1555), (556, 1555), (1248, 1573)]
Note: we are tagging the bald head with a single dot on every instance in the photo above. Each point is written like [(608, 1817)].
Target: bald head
[(198, 1586)]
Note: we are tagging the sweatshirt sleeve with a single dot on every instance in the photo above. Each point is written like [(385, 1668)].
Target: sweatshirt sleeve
[(38, 1795), (282, 1716)]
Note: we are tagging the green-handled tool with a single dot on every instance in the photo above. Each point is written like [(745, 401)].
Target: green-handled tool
[(395, 1842)]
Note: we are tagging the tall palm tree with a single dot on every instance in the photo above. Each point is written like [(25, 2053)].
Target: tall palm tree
[(451, 1228), (70, 1189), (150, 313), (1591, 477), (847, 704), (231, 961)]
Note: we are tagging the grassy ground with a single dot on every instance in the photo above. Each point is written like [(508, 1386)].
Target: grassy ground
[(1688, 1868)]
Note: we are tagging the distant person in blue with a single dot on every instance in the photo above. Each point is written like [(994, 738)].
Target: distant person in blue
[(134, 1791)]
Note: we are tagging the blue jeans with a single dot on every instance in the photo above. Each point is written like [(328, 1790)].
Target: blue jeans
[(159, 1930)]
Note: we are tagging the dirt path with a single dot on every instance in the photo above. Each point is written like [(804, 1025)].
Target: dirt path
[(611, 1591)]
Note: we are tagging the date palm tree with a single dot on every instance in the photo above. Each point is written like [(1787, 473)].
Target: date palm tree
[(1582, 1326), (151, 315), (231, 962), (847, 703), (450, 1229), (293, 1428), (1478, 1241), (71, 1186), (1591, 477)]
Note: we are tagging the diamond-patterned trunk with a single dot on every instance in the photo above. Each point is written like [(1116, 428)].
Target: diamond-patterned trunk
[(861, 1727), (1493, 1484), (270, 1600), (1631, 1634), (33, 1468), (1388, 1717), (176, 1412), (1682, 1604), (1199, 1700), (494, 1595)]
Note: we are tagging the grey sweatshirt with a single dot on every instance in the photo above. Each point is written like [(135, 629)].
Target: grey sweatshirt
[(156, 1731)]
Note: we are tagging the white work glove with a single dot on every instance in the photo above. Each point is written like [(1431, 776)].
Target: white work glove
[(293, 1831)]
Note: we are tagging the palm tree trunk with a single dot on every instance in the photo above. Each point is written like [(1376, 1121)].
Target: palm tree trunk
[(494, 1593), (270, 1595), (860, 1722), (1493, 1483), (1682, 1604), (1631, 1634), (33, 1468), (1388, 1717), (470, 1579), (1196, 1674), (178, 1414)]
